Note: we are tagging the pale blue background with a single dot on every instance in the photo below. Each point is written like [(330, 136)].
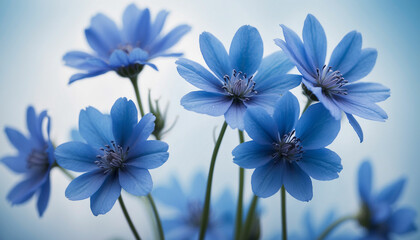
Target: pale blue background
[(35, 34)]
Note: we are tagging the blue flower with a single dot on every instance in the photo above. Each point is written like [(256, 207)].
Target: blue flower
[(116, 155), (334, 85), (287, 151), (379, 215), (241, 79), (125, 51), (186, 222), (35, 159)]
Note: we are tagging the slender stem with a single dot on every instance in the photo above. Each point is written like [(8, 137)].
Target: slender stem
[(156, 213), (130, 223), (249, 218), (308, 103), (239, 205), (136, 89), (333, 225), (206, 208), (283, 213), (67, 173)]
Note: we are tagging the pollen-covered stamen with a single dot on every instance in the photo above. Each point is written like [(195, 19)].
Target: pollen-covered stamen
[(288, 148), (37, 158), (112, 158), (331, 82), (239, 86)]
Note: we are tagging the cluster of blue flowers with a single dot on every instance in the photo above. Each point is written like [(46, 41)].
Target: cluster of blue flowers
[(288, 147)]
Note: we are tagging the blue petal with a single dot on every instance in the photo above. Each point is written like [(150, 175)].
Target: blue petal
[(138, 56), (275, 64), (148, 154), (198, 186), (171, 225), (130, 19), (252, 155), (16, 163), (278, 84), (119, 59), (104, 199), (215, 55), (213, 104), (326, 101), (124, 119), (246, 50), (136, 181), (268, 179), (76, 156), (353, 122), (403, 221), (263, 100), (158, 24), (142, 28), (26, 188), (234, 116), (347, 53), (321, 164), (365, 181), (44, 196), (392, 192), (198, 76), (364, 65), (297, 182), (260, 126), (374, 92), (169, 40), (80, 76), (286, 113), (315, 42), (75, 58), (317, 128), (85, 185), (95, 127), (361, 107), (20, 142), (84, 61), (142, 130), (171, 195), (103, 35)]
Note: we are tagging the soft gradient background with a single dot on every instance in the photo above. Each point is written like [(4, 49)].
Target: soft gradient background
[(34, 35)]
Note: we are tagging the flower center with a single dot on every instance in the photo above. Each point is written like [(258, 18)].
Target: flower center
[(112, 157), (330, 81), (195, 210), (126, 48), (37, 159), (239, 86), (288, 149)]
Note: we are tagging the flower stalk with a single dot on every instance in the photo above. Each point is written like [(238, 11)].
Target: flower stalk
[(134, 81), (127, 217), (335, 224), (239, 208)]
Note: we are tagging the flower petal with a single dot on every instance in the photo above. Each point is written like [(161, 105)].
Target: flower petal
[(275, 64), (85, 185), (364, 65), (104, 199), (142, 130), (158, 24), (246, 50), (286, 113), (347, 53), (268, 179), (297, 182), (235, 115), (315, 42), (169, 40), (16, 163), (198, 76), (260, 126), (392, 192), (142, 28), (119, 59), (278, 84), (353, 122), (138, 56), (252, 155), (374, 92), (25, 189), (95, 127), (326, 101), (76, 156), (172, 195), (148, 154), (361, 107), (317, 128), (80, 76), (265, 101), (124, 119), (44, 196), (365, 181), (213, 104), (20, 142), (136, 181), (321, 164), (403, 221), (215, 55)]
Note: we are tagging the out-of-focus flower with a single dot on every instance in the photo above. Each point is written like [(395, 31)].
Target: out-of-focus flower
[(286, 150), (116, 155), (160, 122), (128, 50), (334, 85), (241, 78), (186, 222), (378, 215), (35, 159)]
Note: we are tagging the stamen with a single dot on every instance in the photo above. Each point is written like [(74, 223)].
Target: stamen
[(331, 82), (37, 158), (239, 86), (112, 158), (288, 148)]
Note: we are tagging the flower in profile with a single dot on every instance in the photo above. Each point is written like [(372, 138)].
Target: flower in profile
[(241, 78), (116, 155), (128, 50), (186, 222), (334, 85), (287, 151), (35, 159), (378, 215)]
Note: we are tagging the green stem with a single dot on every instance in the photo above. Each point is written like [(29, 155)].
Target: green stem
[(283, 213), (156, 213), (130, 223), (249, 218), (135, 83), (206, 208), (239, 205), (308, 103), (67, 173), (333, 225)]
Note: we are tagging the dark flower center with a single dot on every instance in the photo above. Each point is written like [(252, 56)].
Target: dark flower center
[(331, 82), (239, 86), (37, 159), (112, 157), (288, 148), (195, 210)]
